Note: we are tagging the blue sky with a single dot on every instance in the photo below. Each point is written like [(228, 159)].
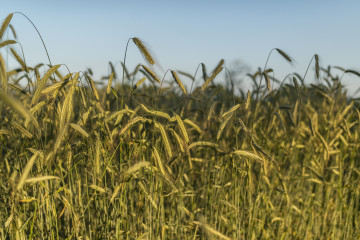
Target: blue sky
[(183, 34)]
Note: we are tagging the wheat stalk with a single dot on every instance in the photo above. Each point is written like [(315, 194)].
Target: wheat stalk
[(5, 24), (187, 75), (282, 53), (22, 130), (219, 65), (247, 101), (138, 83), (18, 107), (144, 51), (231, 110), (3, 75), (119, 113), (243, 153), (108, 88), (182, 129), (7, 42), (353, 72), (138, 166), (151, 73), (60, 85), (192, 124), (267, 80), (79, 129), (155, 113), (205, 144), (177, 80), (67, 108), (208, 81), (222, 126), (19, 59), (130, 124), (142, 187), (317, 67), (124, 68), (165, 139), (210, 230), (243, 125), (159, 163), (26, 171), (42, 83), (40, 179), (93, 88), (13, 31), (212, 110), (178, 139)]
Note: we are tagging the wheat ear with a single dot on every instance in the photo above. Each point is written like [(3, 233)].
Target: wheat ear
[(5, 24), (144, 51), (177, 80)]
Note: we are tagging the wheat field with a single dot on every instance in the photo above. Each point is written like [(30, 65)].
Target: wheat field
[(136, 155)]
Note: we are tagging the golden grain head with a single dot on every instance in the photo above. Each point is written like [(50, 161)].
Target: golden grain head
[(242, 124), (231, 111), (247, 101), (177, 80), (108, 88), (42, 83), (219, 65), (26, 171), (18, 107), (165, 139), (138, 83), (211, 78), (93, 88), (151, 73), (144, 51), (222, 127), (3, 75), (5, 24), (285, 55), (7, 42), (19, 59), (267, 81), (182, 128)]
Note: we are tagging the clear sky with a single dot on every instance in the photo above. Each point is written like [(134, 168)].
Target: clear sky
[(183, 34)]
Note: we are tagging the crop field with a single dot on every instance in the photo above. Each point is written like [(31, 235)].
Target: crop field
[(139, 155)]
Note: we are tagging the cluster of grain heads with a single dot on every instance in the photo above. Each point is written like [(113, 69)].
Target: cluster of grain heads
[(42, 82), (73, 164), (266, 72)]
